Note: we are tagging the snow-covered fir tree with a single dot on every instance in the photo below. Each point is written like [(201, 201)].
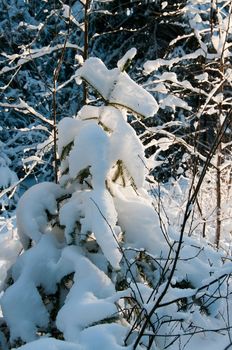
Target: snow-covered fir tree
[(102, 267), (109, 258)]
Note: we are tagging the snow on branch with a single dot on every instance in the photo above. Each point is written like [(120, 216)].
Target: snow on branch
[(26, 109), (31, 54), (117, 88)]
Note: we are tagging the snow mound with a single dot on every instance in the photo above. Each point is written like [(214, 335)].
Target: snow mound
[(95, 154), (50, 344), (89, 300), (138, 220), (96, 213), (31, 211), (21, 303)]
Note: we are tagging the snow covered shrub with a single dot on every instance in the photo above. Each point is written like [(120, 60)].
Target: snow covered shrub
[(99, 271), (102, 206)]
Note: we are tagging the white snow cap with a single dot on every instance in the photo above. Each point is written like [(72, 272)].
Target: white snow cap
[(67, 130), (88, 300), (90, 149), (130, 149), (129, 55), (21, 303), (117, 87), (31, 210), (96, 213)]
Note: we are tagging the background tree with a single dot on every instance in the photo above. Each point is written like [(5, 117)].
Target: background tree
[(192, 84)]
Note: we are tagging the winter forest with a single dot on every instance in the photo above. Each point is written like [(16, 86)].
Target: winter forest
[(115, 174)]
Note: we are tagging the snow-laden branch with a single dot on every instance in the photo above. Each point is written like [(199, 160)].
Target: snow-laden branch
[(151, 66), (117, 88), (26, 109), (31, 54)]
